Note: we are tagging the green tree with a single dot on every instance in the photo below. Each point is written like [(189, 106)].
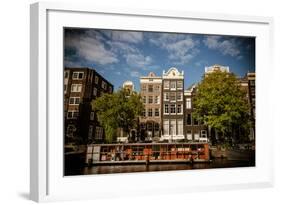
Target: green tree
[(221, 103), (118, 110)]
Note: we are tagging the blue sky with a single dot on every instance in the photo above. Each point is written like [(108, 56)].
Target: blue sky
[(127, 55)]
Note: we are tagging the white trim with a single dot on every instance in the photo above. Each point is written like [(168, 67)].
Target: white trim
[(42, 107)]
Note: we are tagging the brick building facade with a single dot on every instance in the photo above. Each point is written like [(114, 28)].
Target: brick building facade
[(151, 93), (81, 86)]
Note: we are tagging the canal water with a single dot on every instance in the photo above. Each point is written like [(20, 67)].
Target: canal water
[(110, 169)]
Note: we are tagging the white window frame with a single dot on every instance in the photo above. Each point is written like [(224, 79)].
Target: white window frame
[(173, 106), (144, 99), (77, 78), (173, 83), (73, 114), (150, 99), (166, 96), (188, 103), (95, 91), (103, 85), (96, 79), (175, 95), (78, 88), (181, 83), (156, 99), (180, 127), (166, 127), (156, 112), (181, 96), (166, 84), (189, 135), (75, 100), (166, 105), (150, 110), (181, 110)]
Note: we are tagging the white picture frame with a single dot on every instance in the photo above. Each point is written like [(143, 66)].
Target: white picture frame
[(47, 182)]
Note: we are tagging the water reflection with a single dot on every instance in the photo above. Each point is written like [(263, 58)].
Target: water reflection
[(109, 169)]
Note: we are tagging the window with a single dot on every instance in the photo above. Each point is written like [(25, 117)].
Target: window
[(149, 112), (203, 134), (173, 84), (64, 87), (72, 114), (195, 121), (166, 84), (179, 96), (74, 100), (156, 112), (99, 132), (179, 108), (150, 88), (77, 75), (150, 99), (157, 87), (188, 135), (156, 100), (66, 74), (188, 103), (173, 127), (166, 96), (188, 119), (166, 110), (149, 126), (92, 116), (179, 85), (95, 91), (90, 133), (143, 88), (143, 113), (76, 87), (96, 79), (180, 127), (173, 108), (166, 127), (173, 96), (156, 127), (252, 82), (144, 99), (103, 85), (196, 135), (70, 130)]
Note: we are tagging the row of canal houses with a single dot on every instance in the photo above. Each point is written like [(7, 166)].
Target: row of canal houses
[(168, 107), (168, 113)]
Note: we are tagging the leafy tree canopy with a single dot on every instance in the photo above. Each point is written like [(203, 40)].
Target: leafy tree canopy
[(117, 110), (221, 103)]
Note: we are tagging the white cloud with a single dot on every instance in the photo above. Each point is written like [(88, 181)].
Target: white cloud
[(91, 49), (125, 36), (138, 60), (180, 47), (225, 46), (132, 55)]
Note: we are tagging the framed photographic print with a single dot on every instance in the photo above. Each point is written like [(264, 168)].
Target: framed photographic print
[(129, 102)]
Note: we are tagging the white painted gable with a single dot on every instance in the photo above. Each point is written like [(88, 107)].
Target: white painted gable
[(173, 73)]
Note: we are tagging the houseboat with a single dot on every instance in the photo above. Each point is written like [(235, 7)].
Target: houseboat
[(144, 153)]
